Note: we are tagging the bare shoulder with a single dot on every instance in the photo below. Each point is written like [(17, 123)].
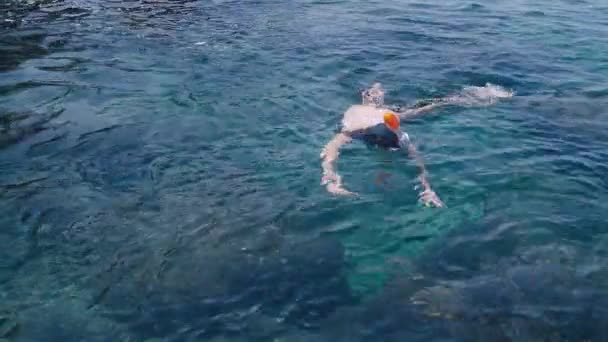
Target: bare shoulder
[(360, 117), (364, 111), (356, 108)]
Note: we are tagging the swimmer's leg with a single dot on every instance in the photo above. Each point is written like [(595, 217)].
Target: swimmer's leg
[(427, 195), (330, 153)]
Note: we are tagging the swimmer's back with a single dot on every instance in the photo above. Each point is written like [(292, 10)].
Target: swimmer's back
[(359, 117)]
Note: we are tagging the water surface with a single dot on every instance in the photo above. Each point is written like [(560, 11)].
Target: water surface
[(160, 172)]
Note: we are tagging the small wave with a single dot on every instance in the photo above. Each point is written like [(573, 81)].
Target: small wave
[(534, 13), (475, 6), (17, 126)]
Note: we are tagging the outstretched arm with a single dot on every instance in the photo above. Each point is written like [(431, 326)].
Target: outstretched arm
[(331, 179), (468, 96), (427, 195), (408, 113)]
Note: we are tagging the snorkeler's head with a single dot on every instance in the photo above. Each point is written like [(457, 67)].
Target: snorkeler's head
[(391, 120), (373, 96)]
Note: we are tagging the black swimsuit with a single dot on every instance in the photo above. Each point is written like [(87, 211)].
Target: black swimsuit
[(378, 135)]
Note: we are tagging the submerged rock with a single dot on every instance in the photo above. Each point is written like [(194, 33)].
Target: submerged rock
[(540, 294)]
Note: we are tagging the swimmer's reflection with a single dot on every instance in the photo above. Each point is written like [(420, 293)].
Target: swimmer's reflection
[(376, 124)]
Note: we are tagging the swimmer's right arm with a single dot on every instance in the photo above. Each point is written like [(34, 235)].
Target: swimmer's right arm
[(427, 195), (331, 179)]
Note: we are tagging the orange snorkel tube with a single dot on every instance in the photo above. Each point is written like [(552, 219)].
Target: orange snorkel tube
[(391, 120)]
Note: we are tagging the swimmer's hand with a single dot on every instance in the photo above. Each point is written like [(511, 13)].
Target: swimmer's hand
[(338, 190), (333, 184), (429, 197)]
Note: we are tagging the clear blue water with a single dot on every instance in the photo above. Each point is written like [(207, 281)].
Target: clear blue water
[(159, 172)]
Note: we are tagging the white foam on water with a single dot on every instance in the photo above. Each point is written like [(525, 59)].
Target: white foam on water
[(475, 96)]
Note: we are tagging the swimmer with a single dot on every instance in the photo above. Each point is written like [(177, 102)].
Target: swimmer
[(376, 124)]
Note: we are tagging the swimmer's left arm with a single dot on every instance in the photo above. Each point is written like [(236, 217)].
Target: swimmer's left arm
[(413, 112), (427, 195)]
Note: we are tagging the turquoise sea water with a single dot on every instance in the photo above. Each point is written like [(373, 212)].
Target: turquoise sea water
[(159, 172)]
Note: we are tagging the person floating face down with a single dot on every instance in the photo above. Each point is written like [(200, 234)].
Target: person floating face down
[(375, 124)]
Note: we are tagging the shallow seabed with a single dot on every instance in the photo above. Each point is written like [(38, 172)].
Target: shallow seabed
[(159, 172)]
